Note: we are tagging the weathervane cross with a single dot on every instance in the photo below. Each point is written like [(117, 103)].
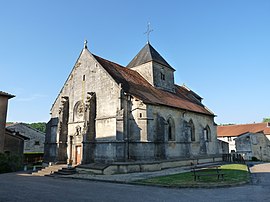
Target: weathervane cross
[(148, 31)]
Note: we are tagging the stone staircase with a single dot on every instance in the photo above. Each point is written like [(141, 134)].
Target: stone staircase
[(65, 171), (47, 171), (92, 168)]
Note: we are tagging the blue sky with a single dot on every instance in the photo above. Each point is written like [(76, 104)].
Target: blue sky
[(219, 48)]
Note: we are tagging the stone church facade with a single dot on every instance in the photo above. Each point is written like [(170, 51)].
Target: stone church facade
[(109, 113)]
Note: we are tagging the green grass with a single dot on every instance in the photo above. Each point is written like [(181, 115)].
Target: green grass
[(234, 174)]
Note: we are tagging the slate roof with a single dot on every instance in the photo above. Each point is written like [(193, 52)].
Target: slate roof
[(134, 84), (22, 128), (16, 134), (147, 54), (6, 94), (237, 130)]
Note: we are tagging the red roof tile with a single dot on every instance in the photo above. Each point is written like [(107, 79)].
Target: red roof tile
[(236, 130), (137, 86)]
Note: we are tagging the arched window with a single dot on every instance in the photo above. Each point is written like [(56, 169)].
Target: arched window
[(207, 133), (192, 130), (171, 129)]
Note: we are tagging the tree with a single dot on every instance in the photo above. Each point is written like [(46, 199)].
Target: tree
[(266, 120), (41, 126)]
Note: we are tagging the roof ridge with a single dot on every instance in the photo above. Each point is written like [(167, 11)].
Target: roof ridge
[(135, 84), (109, 61)]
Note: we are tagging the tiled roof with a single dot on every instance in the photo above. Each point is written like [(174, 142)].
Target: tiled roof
[(6, 94), (134, 84), (236, 130), (147, 54)]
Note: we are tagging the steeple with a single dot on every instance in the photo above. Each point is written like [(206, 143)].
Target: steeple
[(154, 68), (147, 54)]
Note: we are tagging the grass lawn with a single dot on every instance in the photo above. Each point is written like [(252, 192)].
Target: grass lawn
[(234, 174)]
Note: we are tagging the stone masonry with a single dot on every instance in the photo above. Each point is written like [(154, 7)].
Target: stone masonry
[(107, 113)]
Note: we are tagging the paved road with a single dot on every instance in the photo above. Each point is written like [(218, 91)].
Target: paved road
[(17, 187)]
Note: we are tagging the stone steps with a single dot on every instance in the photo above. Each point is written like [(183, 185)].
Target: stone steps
[(49, 170), (92, 168), (65, 171)]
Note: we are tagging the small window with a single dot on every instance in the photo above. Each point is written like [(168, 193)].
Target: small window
[(36, 142), (140, 115), (192, 130), (207, 134), (171, 130), (229, 139), (170, 136), (162, 76), (83, 77)]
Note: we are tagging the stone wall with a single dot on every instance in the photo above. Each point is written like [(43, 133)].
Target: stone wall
[(149, 139), (3, 117), (165, 82), (151, 71), (223, 147), (146, 71), (89, 76), (13, 144), (253, 145)]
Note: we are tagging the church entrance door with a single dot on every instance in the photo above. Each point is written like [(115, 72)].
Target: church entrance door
[(78, 154)]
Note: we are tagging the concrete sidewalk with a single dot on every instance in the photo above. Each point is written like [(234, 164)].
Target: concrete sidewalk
[(256, 167)]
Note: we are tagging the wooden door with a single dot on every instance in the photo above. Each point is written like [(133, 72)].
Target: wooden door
[(78, 154)]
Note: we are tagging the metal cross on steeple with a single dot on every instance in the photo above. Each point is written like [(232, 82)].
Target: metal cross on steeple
[(148, 31)]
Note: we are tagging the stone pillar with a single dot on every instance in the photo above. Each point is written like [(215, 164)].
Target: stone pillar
[(186, 138), (50, 145), (63, 131), (47, 155), (202, 144), (3, 117), (89, 132), (160, 151)]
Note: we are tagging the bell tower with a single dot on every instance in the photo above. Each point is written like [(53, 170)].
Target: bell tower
[(154, 68)]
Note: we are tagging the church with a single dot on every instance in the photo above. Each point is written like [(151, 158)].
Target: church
[(106, 112)]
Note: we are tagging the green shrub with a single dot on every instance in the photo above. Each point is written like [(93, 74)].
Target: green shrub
[(10, 163)]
